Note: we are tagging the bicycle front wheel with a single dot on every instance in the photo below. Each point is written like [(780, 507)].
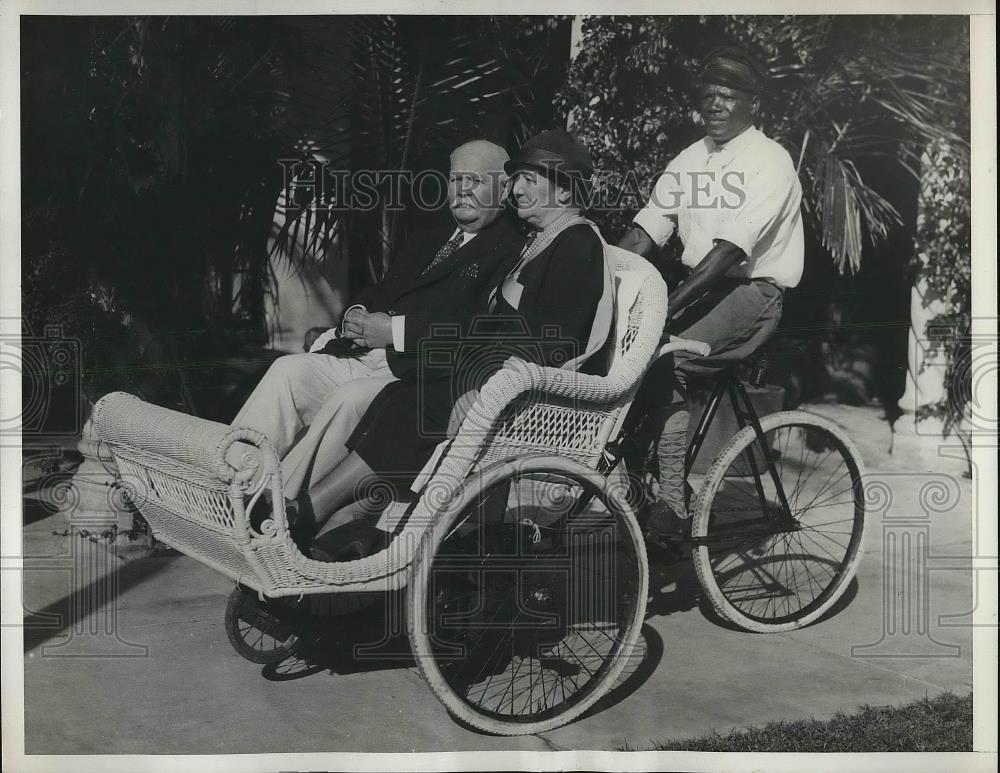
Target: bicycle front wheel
[(778, 526)]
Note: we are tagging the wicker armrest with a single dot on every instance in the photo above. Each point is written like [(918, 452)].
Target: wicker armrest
[(123, 420), (563, 383), (518, 377)]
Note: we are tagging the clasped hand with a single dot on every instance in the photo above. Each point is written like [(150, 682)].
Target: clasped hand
[(370, 330)]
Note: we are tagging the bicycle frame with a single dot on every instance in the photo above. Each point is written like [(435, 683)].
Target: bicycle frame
[(729, 383)]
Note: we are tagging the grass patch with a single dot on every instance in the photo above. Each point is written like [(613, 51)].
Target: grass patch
[(940, 724)]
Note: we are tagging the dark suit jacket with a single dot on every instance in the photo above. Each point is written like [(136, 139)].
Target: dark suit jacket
[(458, 286), (562, 289)]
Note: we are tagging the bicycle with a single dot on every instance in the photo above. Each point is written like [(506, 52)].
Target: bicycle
[(750, 524)]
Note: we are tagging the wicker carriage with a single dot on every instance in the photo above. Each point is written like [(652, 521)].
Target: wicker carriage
[(175, 467), (525, 570), (529, 420)]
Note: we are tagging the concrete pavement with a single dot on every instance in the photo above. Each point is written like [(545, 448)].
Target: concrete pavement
[(169, 682)]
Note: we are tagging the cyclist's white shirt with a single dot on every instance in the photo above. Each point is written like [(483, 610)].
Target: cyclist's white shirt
[(745, 192)]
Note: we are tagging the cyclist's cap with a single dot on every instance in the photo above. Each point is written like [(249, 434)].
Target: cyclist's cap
[(733, 67)]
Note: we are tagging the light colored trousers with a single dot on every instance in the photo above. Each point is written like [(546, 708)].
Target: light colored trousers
[(327, 394)]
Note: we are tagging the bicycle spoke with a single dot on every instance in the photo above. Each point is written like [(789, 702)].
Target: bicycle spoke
[(811, 501), (816, 466)]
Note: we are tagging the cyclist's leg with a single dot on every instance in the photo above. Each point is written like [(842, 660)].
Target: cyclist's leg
[(734, 325), (641, 432), (667, 513)]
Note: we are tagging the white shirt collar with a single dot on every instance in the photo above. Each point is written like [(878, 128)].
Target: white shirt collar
[(740, 140), (467, 236)]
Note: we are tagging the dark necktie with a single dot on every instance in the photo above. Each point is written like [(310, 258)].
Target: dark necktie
[(447, 250)]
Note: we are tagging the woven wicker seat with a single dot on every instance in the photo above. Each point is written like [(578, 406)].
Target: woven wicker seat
[(175, 466)]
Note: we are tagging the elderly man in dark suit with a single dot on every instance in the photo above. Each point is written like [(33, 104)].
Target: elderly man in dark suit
[(439, 273)]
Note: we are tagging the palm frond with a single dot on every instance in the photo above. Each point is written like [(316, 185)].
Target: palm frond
[(846, 207)]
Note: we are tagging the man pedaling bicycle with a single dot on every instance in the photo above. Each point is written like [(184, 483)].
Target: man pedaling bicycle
[(733, 198)]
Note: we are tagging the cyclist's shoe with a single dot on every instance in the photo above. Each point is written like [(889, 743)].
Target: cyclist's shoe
[(663, 527)]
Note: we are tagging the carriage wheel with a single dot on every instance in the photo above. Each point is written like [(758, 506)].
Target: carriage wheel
[(521, 615), (260, 631), (765, 568)]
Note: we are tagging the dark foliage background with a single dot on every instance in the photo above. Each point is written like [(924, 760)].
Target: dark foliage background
[(151, 146), (150, 168)]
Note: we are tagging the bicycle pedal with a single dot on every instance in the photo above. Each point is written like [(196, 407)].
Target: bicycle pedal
[(666, 548)]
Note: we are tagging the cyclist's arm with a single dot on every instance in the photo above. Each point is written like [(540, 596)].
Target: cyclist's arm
[(719, 261)]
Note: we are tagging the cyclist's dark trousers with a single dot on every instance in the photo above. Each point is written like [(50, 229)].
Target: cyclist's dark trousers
[(734, 320)]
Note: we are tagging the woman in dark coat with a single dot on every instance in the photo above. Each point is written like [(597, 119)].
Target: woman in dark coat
[(555, 308)]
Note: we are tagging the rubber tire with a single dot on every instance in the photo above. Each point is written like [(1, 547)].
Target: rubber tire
[(419, 576), (703, 508), (237, 599)]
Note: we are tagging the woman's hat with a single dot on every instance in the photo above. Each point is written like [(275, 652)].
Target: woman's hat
[(555, 152)]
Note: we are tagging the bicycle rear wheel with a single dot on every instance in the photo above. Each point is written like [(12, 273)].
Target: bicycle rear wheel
[(522, 613), (765, 567)]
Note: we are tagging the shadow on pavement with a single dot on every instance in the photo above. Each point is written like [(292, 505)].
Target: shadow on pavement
[(371, 639), (673, 587), (644, 661), (359, 643), (705, 607), (55, 619)]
